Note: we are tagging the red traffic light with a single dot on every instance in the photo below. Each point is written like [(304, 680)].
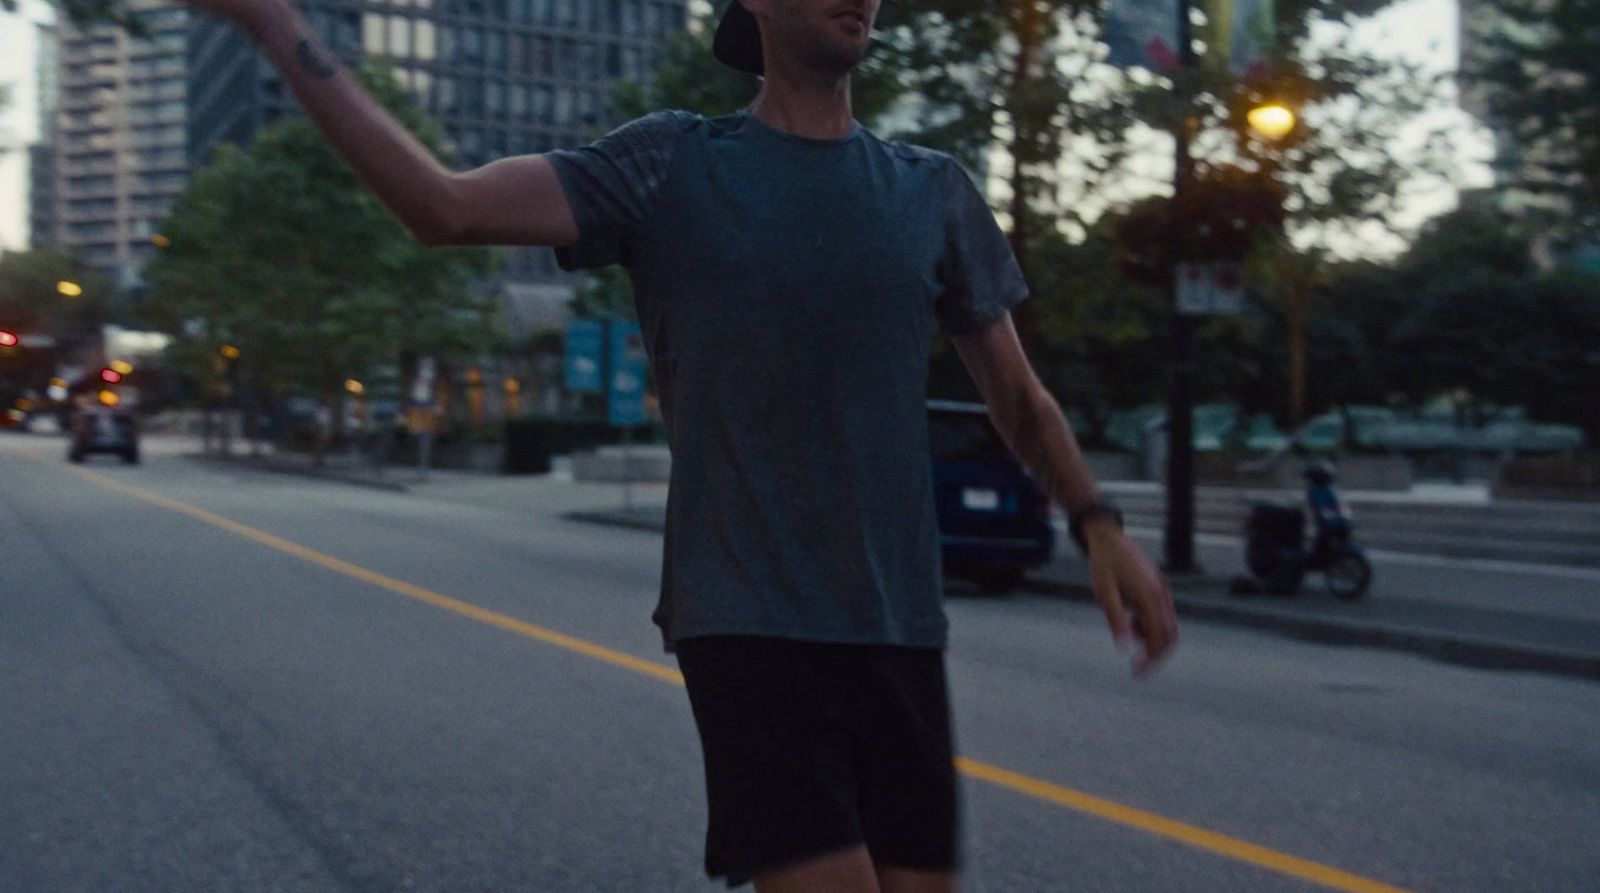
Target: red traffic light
[(8, 339), (110, 376)]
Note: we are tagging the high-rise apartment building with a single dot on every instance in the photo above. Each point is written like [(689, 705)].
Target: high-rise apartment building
[(1519, 159), (502, 77), (42, 154), (118, 138)]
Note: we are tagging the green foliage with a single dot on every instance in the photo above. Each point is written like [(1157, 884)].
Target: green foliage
[(1465, 315), (279, 250), (30, 305), (29, 301), (84, 13)]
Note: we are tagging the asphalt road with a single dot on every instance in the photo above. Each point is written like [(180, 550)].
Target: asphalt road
[(218, 680)]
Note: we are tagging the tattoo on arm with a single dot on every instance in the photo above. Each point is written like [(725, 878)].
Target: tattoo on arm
[(312, 60)]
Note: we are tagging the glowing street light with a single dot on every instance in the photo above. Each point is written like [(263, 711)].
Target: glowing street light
[(355, 387), (69, 289), (229, 352), (1272, 120), (122, 366), (160, 241)]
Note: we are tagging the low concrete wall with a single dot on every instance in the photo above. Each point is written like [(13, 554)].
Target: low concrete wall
[(644, 463), (1385, 473), (1107, 466)]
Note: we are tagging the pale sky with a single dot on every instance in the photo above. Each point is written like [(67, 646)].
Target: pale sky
[(1420, 29)]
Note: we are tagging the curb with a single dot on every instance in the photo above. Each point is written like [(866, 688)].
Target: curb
[(1440, 645), (275, 467), (650, 521)]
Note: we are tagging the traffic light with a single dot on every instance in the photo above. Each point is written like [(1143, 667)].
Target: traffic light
[(110, 376), (8, 339)]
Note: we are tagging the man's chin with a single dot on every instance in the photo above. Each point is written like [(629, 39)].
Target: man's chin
[(839, 58)]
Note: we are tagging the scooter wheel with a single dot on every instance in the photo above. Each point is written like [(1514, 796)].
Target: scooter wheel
[(1349, 575)]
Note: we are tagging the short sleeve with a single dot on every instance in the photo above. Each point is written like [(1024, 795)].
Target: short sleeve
[(612, 183), (979, 273)]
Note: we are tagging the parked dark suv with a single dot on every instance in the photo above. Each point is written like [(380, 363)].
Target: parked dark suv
[(994, 522), (104, 429)]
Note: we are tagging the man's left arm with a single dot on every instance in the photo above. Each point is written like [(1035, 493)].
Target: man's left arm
[(1136, 599)]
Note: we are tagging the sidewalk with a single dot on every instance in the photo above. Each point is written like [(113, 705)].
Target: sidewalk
[(1513, 636), (1490, 614)]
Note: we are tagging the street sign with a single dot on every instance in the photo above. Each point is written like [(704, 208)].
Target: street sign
[(422, 385), (422, 419), (626, 403), (1215, 289), (585, 344)]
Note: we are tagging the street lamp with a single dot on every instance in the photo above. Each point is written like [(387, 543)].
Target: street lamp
[(1273, 120), (69, 289)]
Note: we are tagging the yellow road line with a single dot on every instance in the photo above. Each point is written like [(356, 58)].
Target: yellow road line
[(1077, 801)]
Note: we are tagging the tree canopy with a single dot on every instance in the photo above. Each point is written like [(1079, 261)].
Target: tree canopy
[(278, 250)]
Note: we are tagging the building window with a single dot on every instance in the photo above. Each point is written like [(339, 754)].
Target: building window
[(399, 37), (372, 34), (426, 49)]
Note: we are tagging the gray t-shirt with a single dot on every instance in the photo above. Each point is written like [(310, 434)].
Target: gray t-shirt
[(788, 290)]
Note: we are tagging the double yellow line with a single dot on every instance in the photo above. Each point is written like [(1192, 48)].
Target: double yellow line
[(1111, 811)]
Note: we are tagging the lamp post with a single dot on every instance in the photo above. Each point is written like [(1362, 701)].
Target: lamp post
[(1179, 543), (1273, 122)]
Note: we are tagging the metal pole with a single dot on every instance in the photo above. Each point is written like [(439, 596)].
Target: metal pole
[(1179, 551)]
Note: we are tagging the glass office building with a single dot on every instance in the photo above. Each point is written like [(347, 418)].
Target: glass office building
[(503, 77)]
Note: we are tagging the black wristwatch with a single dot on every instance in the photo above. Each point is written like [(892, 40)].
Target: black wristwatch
[(1096, 509)]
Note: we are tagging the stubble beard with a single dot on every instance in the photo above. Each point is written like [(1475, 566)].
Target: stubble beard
[(828, 54)]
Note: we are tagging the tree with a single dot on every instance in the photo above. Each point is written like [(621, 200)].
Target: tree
[(84, 13), (1541, 84), (30, 302), (278, 250), (30, 305)]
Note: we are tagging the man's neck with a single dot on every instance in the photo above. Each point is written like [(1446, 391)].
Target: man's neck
[(805, 104)]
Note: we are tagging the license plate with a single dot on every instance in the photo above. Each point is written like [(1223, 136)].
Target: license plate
[(977, 500)]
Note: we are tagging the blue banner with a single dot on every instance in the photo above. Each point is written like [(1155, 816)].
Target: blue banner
[(1143, 33), (626, 404), (585, 340)]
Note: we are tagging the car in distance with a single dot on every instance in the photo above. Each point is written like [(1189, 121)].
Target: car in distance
[(994, 521)]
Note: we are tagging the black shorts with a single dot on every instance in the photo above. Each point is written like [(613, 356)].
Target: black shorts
[(812, 748)]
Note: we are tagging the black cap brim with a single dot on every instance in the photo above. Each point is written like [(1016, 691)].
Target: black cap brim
[(738, 41)]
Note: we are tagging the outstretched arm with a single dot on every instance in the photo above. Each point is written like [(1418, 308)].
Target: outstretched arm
[(1034, 427), (514, 201)]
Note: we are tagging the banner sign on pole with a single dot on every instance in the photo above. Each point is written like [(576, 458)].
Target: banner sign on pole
[(1245, 32), (1215, 289), (626, 403), (585, 339), (1143, 33)]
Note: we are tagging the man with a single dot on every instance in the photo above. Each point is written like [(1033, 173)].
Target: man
[(790, 269)]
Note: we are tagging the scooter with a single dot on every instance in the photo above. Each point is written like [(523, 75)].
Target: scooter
[(1275, 546)]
